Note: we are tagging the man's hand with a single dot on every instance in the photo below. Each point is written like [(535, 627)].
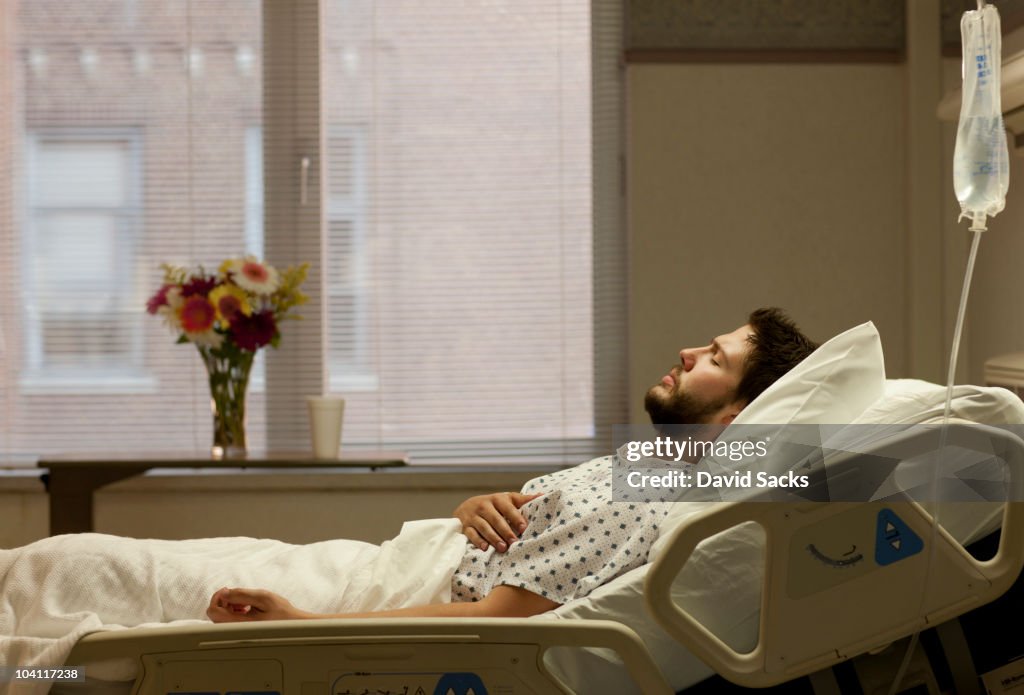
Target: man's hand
[(493, 519), (244, 605)]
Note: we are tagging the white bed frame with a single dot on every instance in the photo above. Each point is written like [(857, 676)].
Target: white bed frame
[(812, 615), (349, 657)]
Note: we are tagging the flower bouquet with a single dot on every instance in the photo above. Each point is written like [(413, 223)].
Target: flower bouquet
[(228, 316)]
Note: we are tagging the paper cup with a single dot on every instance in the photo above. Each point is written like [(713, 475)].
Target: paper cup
[(325, 417)]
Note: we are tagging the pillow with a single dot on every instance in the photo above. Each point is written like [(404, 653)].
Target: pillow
[(912, 401), (833, 385)]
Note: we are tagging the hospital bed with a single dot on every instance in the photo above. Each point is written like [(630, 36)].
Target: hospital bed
[(812, 614), (718, 607)]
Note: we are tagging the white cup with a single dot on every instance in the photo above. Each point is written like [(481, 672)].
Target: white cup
[(325, 416)]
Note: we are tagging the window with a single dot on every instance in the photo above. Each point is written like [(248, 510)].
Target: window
[(128, 126), (254, 225), (82, 232), (348, 285), (479, 231), (254, 191), (461, 210)]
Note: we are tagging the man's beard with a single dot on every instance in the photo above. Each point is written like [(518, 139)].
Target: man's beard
[(679, 408)]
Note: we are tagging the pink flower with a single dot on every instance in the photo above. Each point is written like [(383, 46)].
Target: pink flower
[(253, 332), (198, 286), (197, 315), (158, 300)]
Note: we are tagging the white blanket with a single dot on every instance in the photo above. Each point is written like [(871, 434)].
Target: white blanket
[(56, 590)]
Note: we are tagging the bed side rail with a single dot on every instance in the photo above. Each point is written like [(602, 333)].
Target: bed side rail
[(483, 655), (822, 603)]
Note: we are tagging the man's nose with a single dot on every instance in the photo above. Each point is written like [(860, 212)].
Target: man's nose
[(688, 356)]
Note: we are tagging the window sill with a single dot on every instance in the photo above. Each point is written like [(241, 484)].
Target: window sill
[(215, 480)]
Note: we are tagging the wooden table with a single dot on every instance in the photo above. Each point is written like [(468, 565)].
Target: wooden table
[(71, 480)]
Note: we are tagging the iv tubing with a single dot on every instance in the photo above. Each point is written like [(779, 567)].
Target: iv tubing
[(960, 319), (977, 228)]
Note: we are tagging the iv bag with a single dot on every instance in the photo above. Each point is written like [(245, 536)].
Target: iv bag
[(981, 166)]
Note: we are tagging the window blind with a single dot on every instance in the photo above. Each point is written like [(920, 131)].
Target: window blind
[(7, 169), (468, 319), (452, 172), (130, 150)]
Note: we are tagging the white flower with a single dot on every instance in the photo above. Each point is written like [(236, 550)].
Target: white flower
[(169, 311), (208, 337), (254, 276)]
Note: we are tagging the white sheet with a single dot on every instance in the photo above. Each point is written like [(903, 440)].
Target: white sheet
[(56, 590)]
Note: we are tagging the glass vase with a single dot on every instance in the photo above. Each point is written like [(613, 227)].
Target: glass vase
[(228, 370)]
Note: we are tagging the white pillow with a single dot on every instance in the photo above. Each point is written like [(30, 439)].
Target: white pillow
[(833, 385), (912, 401)]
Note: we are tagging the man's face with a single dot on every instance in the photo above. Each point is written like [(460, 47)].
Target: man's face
[(701, 388)]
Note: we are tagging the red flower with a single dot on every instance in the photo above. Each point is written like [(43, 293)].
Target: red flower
[(158, 300), (253, 332), (198, 286), (197, 315)]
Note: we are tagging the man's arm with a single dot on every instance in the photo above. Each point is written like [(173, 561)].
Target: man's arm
[(247, 605)]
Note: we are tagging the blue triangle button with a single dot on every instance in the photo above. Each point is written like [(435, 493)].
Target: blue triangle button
[(894, 541)]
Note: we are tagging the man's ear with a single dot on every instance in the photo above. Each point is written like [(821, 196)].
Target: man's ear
[(730, 412)]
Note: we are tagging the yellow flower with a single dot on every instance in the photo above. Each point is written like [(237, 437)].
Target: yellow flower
[(228, 301), (226, 266)]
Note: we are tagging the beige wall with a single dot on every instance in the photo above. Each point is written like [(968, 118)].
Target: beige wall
[(754, 185), (996, 305)]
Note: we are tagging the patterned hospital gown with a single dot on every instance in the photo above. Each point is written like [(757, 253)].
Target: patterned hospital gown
[(576, 539)]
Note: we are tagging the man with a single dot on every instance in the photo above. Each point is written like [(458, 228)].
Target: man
[(711, 384)]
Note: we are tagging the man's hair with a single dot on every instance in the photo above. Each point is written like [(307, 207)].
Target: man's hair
[(777, 346)]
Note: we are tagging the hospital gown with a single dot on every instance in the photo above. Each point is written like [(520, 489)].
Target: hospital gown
[(577, 538)]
